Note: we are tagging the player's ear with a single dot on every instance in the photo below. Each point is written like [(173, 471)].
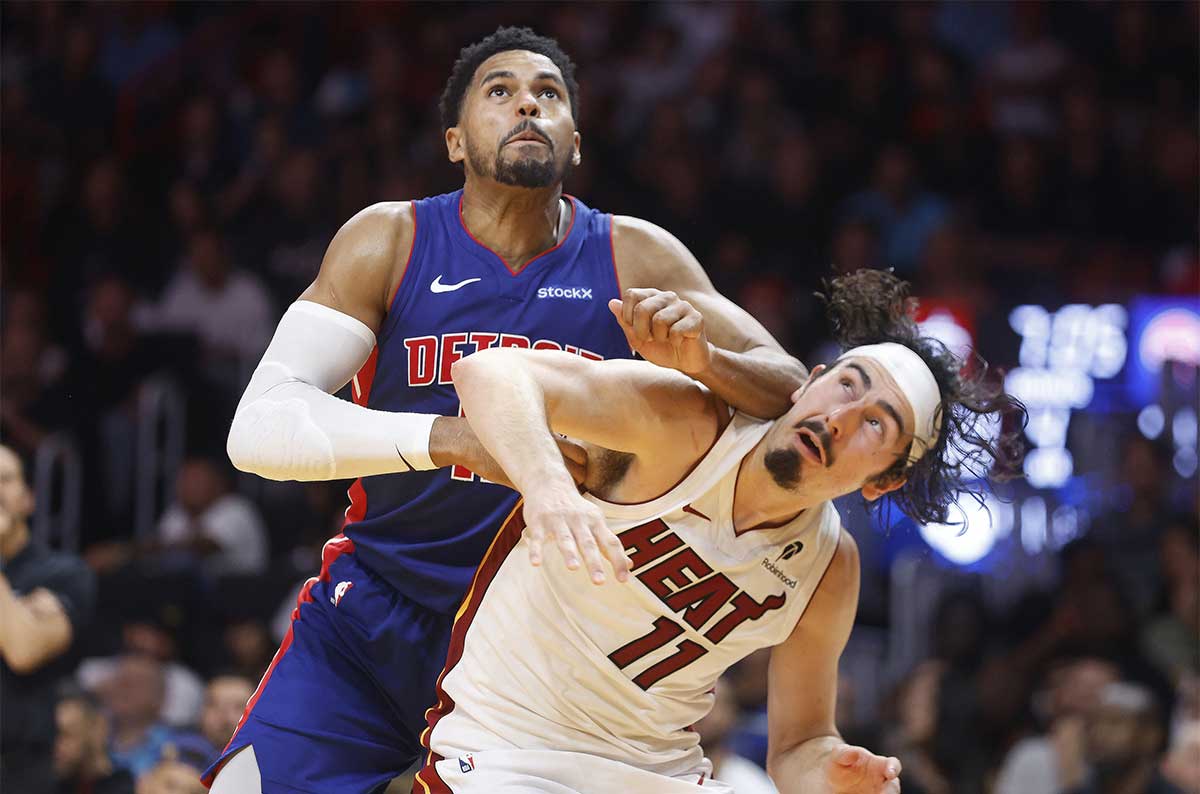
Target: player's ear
[(812, 375), (577, 155), (873, 489), (456, 147)]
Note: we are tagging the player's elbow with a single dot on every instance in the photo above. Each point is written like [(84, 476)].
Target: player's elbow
[(471, 369), (279, 441)]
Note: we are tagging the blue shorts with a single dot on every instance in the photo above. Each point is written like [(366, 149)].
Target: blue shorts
[(342, 705)]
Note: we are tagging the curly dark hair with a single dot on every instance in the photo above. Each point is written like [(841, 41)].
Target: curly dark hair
[(503, 40), (873, 306)]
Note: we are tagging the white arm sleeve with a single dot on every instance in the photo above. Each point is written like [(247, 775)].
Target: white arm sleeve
[(289, 426)]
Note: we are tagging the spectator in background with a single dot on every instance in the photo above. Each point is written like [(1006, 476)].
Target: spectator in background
[(1124, 740), (148, 635), (32, 404), (210, 523), (912, 721), (46, 599), (133, 696), (228, 309), (1042, 764), (224, 701), (82, 764), (1181, 766), (742, 774), (178, 772), (905, 215), (1171, 641)]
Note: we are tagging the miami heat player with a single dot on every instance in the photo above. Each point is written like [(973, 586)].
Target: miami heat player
[(555, 686)]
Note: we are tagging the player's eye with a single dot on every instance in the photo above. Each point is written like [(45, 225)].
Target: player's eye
[(550, 93), (497, 90), (847, 384)]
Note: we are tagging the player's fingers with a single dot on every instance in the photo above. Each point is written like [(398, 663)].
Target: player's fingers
[(690, 326), (535, 537), (644, 312), (566, 545), (618, 309), (667, 318), (892, 767), (591, 553), (848, 755), (615, 552), (630, 298)]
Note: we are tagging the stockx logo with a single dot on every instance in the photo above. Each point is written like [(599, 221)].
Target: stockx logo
[(570, 293), (790, 550)]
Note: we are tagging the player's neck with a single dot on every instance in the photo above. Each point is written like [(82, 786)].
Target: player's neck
[(758, 501), (516, 223)]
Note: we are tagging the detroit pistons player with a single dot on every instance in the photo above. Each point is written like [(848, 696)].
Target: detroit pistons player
[(557, 687), (407, 289)]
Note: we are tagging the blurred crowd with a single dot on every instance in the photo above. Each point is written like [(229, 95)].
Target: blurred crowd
[(174, 171)]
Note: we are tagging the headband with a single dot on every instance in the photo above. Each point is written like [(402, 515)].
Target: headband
[(917, 384)]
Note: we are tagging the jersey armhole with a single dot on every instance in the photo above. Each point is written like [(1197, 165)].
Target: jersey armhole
[(401, 298)]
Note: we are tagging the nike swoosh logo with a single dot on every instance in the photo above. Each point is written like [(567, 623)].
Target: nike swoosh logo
[(438, 286)]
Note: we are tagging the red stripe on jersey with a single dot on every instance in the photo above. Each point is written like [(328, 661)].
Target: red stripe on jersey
[(612, 247), (361, 392), (505, 541), (334, 547)]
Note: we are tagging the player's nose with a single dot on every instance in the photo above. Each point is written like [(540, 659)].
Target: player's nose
[(527, 105)]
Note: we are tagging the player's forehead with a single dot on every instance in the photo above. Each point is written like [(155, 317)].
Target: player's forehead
[(880, 385), (521, 64)]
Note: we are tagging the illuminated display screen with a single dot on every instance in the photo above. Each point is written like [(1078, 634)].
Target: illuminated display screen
[(1076, 359)]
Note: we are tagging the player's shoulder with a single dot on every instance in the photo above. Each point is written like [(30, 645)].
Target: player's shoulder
[(384, 220), (631, 232), (365, 261), (647, 255)]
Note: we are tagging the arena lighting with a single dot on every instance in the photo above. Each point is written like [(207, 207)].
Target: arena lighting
[(972, 530), (942, 326), (1033, 524), (1185, 462), (1062, 352), (1150, 421), (1183, 428)]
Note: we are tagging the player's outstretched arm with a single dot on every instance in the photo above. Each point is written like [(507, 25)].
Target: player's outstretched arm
[(806, 754), (515, 400), (674, 316), (288, 426)]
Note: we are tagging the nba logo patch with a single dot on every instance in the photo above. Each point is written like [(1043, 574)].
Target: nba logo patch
[(340, 591), (466, 763)]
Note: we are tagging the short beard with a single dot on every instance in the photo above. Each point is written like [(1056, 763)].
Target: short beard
[(522, 172), (784, 467), (527, 172)]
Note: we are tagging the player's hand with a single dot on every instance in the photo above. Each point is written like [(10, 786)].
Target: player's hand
[(664, 329), (855, 770), (578, 528)]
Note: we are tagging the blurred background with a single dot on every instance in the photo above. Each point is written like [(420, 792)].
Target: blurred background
[(172, 173)]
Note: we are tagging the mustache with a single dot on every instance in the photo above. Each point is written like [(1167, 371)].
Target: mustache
[(823, 438), (528, 126)]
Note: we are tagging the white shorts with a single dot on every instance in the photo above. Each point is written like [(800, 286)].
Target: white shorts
[(556, 772)]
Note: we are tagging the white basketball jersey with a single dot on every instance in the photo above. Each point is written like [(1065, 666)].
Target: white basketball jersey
[(542, 659)]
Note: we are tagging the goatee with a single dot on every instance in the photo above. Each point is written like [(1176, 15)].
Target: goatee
[(784, 467)]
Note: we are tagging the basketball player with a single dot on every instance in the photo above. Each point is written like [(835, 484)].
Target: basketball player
[(406, 289), (555, 686)]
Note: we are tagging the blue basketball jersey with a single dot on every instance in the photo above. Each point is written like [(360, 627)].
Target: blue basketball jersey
[(425, 532)]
